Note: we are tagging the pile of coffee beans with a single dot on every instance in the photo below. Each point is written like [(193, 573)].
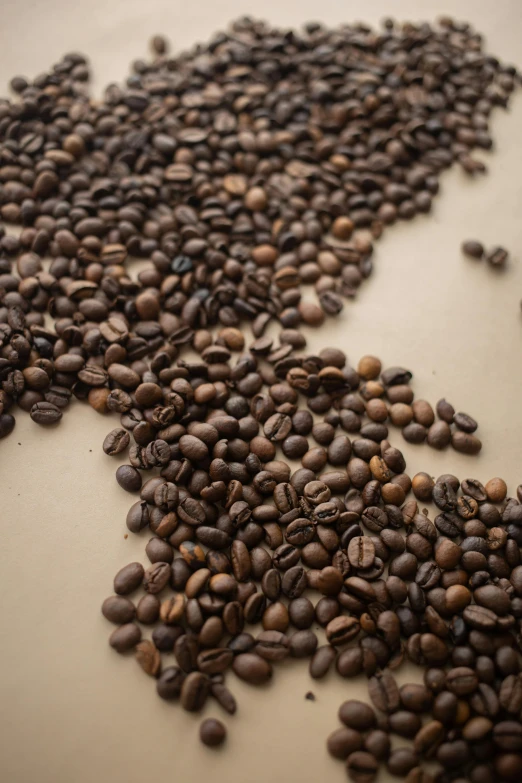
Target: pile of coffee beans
[(496, 257), (242, 538), (243, 169)]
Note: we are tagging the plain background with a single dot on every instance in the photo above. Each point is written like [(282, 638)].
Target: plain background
[(72, 710)]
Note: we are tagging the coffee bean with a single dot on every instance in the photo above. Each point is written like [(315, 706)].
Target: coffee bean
[(125, 637), (148, 657), (194, 691), (357, 715), (342, 629), (129, 478), (497, 256), (303, 644), (45, 413), (128, 578), (465, 442), (472, 248), (156, 577), (252, 669), (361, 552), (322, 661), (402, 761), (170, 682), (355, 660), (384, 692), (224, 697), (344, 741), (212, 732), (118, 610), (416, 698), (404, 723), (272, 645), (116, 441), (215, 660), (362, 767), (148, 610), (465, 422), (7, 424)]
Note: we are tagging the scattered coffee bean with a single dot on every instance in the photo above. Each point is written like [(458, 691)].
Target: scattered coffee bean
[(473, 248), (212, 732)]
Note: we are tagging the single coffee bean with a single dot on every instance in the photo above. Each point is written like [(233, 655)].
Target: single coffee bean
[(129, 478), (45, 413), (342, 629), (129, 578), (384, 692), (362, 767), (473, 248), (212, 732), (7, 424), (118, 609), (321, 661), (125, 637), (497, 256), (148, 657), (194, 691), (224, 697), (116, 441), (252, 669), (402, 761), (357, 715), (148, 609), (404, 723), (169, 683), (272, 645), (465, 442), (344, 741), (303, 644)]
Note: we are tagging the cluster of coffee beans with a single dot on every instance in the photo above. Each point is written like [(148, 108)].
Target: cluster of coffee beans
[(242, 169), (496, 257), (263, 162), (241, 538)]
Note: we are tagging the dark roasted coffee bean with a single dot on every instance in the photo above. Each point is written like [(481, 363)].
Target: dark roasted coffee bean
[(384, 692), (194, 691), (355, 660), (45, 413), (473, 248), (212, 732), (170, 682), (148, 609), (148, 657), (128, 578), (118, 610), (303, 644), (116, 442), (224, 697), (344, 741), (405, 724), (401, 761), (342, 629), (362, 767), (497, 257), (322, 661), (125, 637), (7, 424), (252, 669)]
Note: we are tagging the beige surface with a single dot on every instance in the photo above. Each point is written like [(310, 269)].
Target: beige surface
[(72, 710)]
